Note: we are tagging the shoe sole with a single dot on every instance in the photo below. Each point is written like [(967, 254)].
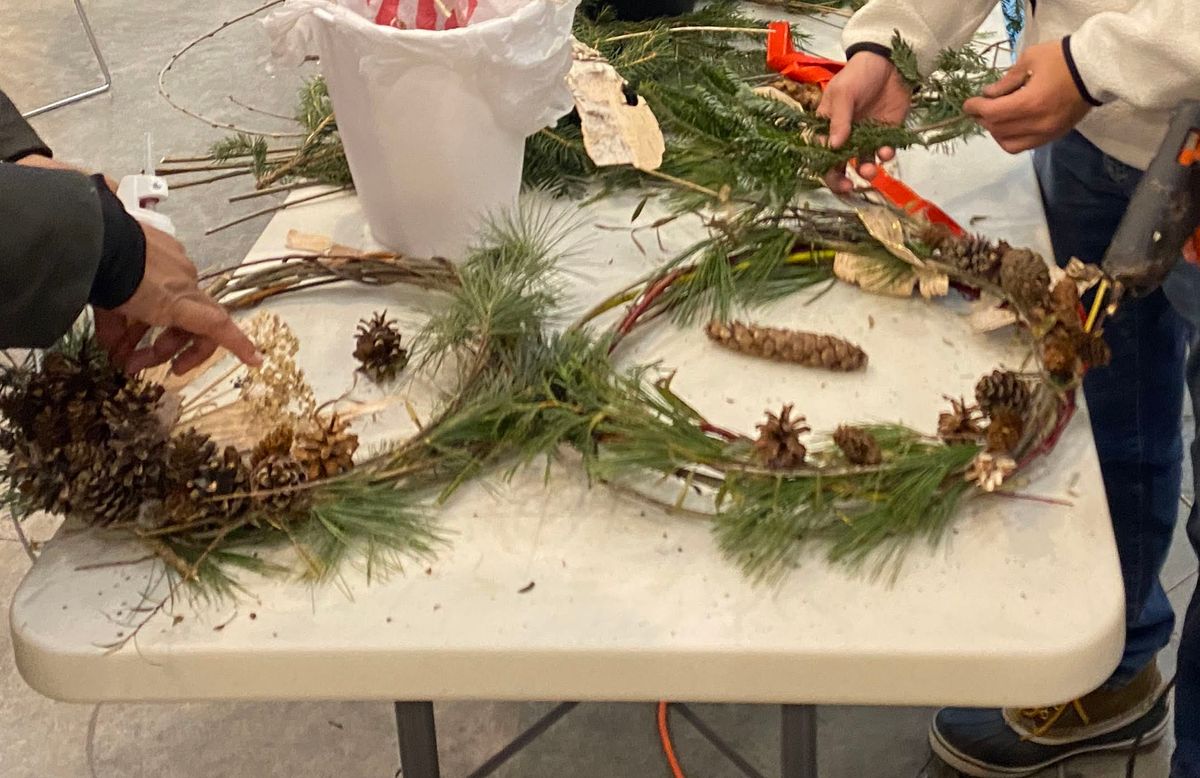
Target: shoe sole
[(968, 766)]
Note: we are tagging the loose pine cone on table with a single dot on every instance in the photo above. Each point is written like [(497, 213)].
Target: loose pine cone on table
[(803, 348), (379, 350), (1025, 278), (274, 480), (1002, 390), (326, 448), (778, 446), (858, 445), (961, 423)]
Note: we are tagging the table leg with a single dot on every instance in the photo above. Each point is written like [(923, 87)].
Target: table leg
[(417, 733), (798, 741)]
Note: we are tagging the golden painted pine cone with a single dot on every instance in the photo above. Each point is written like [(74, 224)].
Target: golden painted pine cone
[(802, 348)]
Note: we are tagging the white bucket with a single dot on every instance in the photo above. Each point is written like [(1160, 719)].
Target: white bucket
[(434, 121)]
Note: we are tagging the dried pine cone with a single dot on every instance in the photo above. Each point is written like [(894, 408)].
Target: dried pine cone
[(971, 254), (219, 488), (1025, 278), (1002, 390), (808, 95), (858, 445), (326, 449), (129, 472), (190, 451), (1004, 432), (960, 423), (378, 348), (802, 348), (1064, 298), (1060, 352), (778, 446), (274, 481), (277, 442)]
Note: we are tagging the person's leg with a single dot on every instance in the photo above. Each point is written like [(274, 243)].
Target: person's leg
[(1183, 290), (1134, 405)]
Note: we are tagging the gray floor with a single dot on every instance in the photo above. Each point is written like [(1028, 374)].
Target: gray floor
[(43, 55)]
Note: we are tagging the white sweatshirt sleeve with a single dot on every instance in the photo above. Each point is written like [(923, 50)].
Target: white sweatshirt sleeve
[(1148, 56), (927, 25)]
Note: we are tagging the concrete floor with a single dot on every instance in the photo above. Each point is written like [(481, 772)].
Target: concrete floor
[(44, 55)]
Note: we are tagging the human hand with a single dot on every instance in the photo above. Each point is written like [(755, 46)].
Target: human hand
[(869, 87), (170, 296), (1035, 102)]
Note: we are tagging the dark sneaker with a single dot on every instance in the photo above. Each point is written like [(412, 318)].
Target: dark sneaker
[(1022, 741)]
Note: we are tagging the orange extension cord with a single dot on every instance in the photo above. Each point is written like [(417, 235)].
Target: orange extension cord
[(664, 736)]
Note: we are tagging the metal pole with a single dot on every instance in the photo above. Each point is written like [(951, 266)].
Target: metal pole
[(798, 741), (102, 88), (417, 735)]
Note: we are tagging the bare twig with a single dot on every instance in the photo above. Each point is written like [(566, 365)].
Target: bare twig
[(273, 209), (162, 75)]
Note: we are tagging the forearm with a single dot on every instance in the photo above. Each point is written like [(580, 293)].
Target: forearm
[(65, 244), (1147, 57), (17, 138), (927, 26)]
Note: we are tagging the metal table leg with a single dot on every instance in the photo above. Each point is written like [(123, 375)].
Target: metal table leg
[(417, 733), (798, 741), (103, 87)]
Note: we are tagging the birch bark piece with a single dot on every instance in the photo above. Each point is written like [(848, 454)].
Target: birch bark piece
[(614, 132)]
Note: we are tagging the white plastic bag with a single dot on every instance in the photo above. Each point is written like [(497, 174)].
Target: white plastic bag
[(434, 121)]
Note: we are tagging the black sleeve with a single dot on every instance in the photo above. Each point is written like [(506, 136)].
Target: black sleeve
[(17, 138), (62, 245)]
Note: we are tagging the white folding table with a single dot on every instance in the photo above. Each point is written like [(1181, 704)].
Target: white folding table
[(558, 591)]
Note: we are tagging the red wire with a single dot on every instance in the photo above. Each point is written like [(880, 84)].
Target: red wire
[(664, 735)]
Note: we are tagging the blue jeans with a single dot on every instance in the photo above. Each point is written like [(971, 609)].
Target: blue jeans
[(1135, 403), (1183, 290)]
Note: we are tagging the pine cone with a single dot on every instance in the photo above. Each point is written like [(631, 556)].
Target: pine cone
[(326, 449), (128, 473), (1002, 390), (277, 442), (274, 480), (808, 95), (959, 424), (971, 254), (1064, 299), (219, 489), (858, 445), (1004, 432), (1025, 278), (190, 451), (1060, 352), (778, 446), (379, 350), (802, 348)]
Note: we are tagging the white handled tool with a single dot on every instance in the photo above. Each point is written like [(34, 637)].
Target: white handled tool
[(141, 194)]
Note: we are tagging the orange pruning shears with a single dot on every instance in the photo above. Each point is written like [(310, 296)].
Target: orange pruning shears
[(783, 58)]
